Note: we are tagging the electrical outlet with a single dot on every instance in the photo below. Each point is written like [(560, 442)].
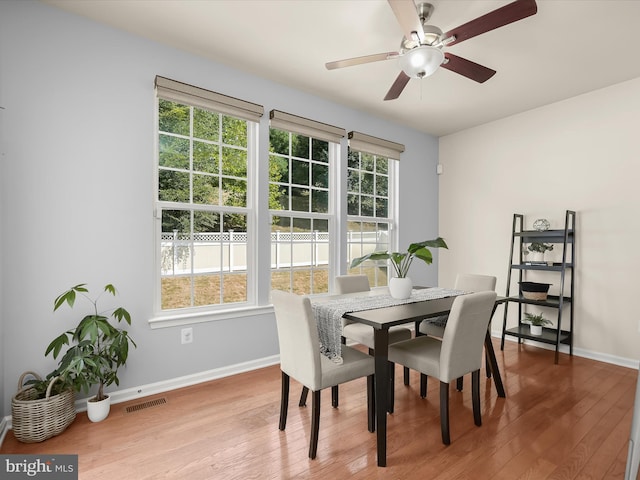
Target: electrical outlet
[(186, 335)]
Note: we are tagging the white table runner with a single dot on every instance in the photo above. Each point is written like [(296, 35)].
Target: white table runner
[(328, 313)]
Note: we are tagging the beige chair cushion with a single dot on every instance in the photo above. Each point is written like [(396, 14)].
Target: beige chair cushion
[(460, 350), (363, 334), (359, 332), (466, 282), (352, 284), (300, 356)]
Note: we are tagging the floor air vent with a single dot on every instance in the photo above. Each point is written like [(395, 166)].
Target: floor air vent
[(149, 404)]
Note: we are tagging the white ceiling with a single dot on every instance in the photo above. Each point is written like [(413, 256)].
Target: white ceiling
[(568, 48)]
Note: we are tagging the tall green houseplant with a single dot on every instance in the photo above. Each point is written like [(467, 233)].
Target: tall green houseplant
[(97, 348)]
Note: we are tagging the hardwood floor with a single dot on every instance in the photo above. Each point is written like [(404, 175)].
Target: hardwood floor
[(565, 421)]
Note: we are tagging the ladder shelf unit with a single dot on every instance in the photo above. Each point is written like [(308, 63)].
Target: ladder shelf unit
[(564, 269)]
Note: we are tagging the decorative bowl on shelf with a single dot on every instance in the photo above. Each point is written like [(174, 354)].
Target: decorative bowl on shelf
[(541, 225)]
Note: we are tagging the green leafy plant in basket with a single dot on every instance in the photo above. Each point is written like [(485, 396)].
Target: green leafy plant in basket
[(401, 261), (97, 348), (40, 385)]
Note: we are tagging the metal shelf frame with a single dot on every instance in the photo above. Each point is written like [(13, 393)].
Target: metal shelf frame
[(566, 238)]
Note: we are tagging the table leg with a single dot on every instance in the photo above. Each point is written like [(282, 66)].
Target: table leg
[(381, 357), (491, 356), (493, 363)]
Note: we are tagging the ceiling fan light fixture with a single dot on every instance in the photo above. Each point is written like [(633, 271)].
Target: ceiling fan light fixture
[(421, 62)]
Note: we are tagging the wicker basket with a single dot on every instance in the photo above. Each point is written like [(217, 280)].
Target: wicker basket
[(540, 296), (534, 290), (37, 419)]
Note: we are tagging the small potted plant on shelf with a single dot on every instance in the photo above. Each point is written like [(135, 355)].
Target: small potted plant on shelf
[(98, 349), (536, 321), (538, 249), (400, 286)]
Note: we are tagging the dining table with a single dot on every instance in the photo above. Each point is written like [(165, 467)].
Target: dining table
[(383, 313)]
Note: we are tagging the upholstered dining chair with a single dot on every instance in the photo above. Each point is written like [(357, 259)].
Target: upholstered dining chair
[(301, 359), (363, 334), (459, 352), (435, 326)]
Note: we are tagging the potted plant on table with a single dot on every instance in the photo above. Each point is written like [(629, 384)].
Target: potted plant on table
[(400, 286), (537, 321), (97, 349)]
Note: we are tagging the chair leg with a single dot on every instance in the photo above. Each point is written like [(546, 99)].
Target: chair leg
[(423, 385), (334, 389), (371, 403), (315, 424), (459, 383), (334, 396), (284, 401), (444, 412), (303, 397), (392, 386), (475, 396), (487, 365), (406, 376)]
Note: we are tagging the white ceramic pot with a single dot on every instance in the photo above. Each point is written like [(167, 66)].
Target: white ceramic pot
[(536, 330), (536, 256), (98, 411), (400, 288)]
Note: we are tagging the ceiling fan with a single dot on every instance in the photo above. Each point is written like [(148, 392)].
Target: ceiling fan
[(421, 50)]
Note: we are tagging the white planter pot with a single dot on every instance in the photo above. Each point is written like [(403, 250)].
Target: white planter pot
[(536, 256), (536, 330), (98, 411), (400, 288)]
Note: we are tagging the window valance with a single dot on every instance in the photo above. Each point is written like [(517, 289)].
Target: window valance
[(306, 126), (200, 97), (376, 146)]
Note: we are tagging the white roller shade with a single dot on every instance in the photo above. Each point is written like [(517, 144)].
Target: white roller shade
[(377, 146), (199, 97), (305, 126)]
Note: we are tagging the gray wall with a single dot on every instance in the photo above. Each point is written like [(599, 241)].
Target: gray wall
[(77, 178)]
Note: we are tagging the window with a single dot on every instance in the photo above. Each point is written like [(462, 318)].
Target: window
[(370, 207), (204, 179), (302, 155), (207, 229)]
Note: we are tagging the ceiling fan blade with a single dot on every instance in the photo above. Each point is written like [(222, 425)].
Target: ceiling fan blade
[(467, 68), (397, 87), (510, 13), (360, 60), (408, 18)]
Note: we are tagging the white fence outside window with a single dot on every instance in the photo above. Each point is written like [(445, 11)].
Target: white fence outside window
[(227, 251)]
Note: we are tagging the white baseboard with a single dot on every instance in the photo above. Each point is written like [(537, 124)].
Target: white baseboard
[(578, 352), (185, 381)]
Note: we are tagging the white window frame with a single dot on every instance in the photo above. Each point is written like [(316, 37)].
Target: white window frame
[(316, 130), (199, 98), (391, 151)]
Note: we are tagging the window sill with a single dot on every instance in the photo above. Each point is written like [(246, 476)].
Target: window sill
[(176, 320)]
